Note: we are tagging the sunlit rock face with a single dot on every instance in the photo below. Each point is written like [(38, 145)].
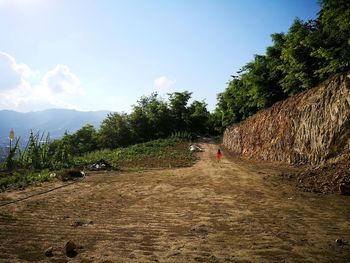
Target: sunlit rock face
[(308, 128)]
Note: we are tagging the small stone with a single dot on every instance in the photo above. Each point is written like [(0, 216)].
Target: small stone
[(70, 247), (175, 253), (82, 223), (77, 223), (340, 241), (49, 252)]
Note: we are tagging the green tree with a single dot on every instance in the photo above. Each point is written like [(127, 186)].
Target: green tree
[(199, 117), (179, 110), (331, 43), (256, 87), (298, 64), (116, 131), (226, 110), (84, 140), (215, 123), (273, 67), (140, 124), (150, 118)]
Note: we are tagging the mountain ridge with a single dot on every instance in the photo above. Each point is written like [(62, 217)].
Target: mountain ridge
[(53, 121)]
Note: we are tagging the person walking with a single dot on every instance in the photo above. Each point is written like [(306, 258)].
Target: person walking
[(218, 155)]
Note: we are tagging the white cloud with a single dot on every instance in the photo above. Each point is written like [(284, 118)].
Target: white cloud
[(164, 84), (61, 80), (12, 74), (23, 89)]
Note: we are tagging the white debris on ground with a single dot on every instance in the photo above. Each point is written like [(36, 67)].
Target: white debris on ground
[(195, 148)]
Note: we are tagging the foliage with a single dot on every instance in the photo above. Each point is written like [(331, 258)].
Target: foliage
[(60, 152), (298, 64), (182, 135), (332, 39), (153, 118), (307, 54), (158, 153), (10, 161), (150, 119), (39, 154), (179, 110), (84, 140), (199, 117), (35, 155), (23, 178), (115, 131)]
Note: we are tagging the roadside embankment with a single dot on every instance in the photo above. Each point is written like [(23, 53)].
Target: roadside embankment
[(308, 128)]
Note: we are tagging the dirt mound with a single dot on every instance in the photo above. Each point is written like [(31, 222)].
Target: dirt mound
[(329, 178)]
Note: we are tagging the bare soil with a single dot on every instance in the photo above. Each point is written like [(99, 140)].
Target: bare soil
[(325, 179), (232, 211)]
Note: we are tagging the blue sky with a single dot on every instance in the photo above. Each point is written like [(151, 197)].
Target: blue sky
[(104, 55)]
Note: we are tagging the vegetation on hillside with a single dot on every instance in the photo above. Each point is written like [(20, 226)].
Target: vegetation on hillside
[(40, 166), (171, 152), (151, 118), (307, 54)]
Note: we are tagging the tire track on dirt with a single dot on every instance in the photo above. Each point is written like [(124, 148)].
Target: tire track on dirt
[(210, 212)]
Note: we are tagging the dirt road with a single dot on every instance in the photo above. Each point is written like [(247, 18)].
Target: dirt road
[(227, 212)]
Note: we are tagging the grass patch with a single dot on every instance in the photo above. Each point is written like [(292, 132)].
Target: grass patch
[(22, 178), (161, 153)]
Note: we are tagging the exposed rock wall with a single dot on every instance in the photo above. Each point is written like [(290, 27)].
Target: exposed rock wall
[(308, 128)]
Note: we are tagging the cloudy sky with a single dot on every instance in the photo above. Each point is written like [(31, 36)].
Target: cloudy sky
[(104, 55)]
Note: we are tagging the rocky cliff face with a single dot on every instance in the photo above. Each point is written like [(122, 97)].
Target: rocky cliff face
[(308, 128)]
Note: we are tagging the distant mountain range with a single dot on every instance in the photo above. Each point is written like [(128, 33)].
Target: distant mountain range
[(53, 121)]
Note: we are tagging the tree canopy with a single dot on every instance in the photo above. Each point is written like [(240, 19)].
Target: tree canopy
[(307, 54), (151, 118)]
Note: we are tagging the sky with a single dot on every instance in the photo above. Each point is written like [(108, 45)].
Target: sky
[(105, 54)]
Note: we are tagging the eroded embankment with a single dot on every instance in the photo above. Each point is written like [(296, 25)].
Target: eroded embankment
[(308, 128)]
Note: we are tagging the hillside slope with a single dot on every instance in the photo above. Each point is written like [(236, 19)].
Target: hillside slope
[(308, 128)]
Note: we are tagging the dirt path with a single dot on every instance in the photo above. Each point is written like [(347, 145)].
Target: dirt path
[(228, 212)]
